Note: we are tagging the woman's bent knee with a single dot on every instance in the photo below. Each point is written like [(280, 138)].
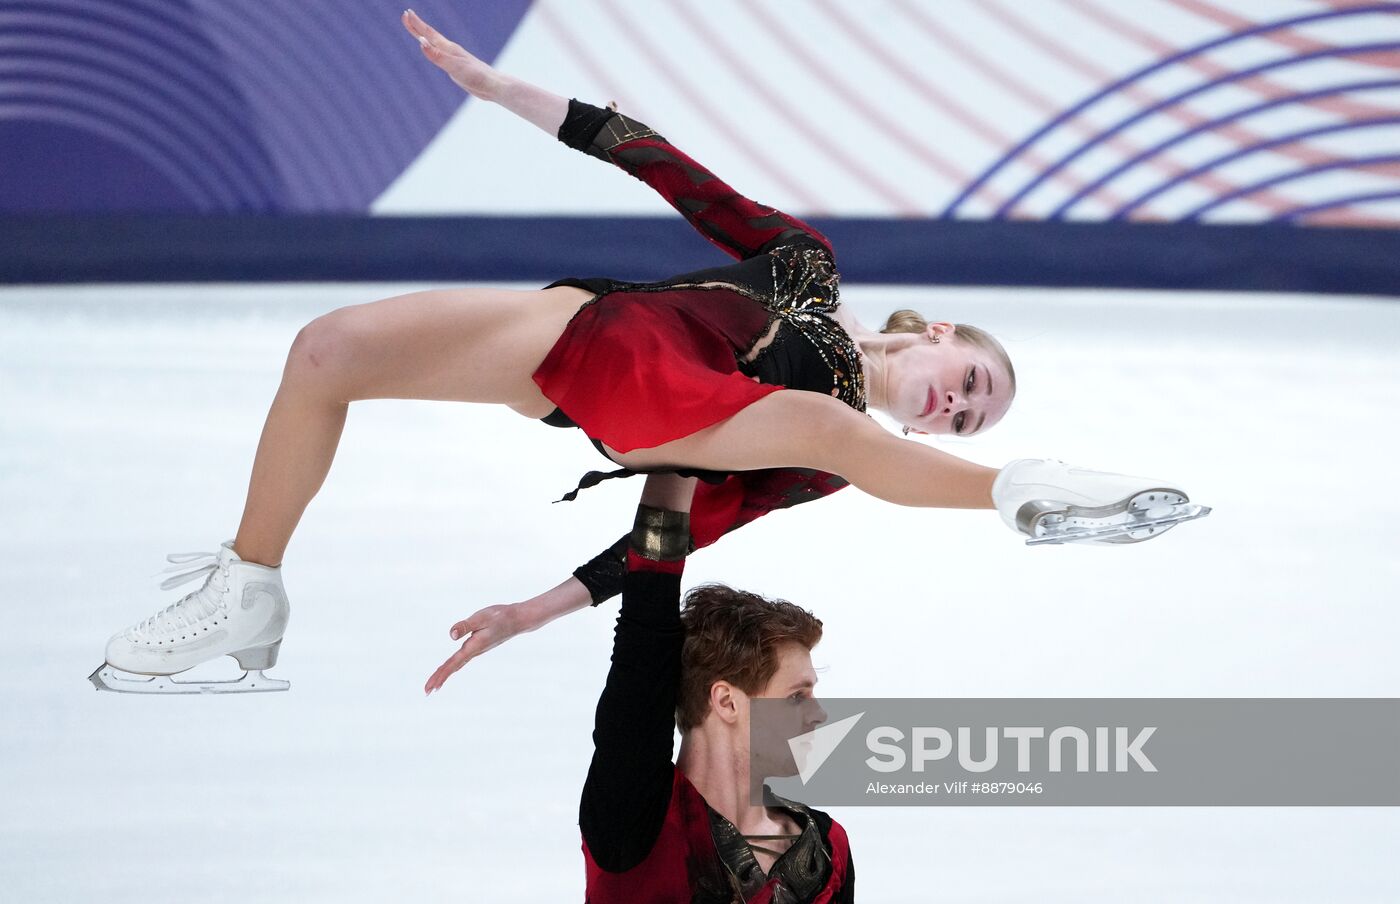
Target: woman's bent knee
[(324, 351)]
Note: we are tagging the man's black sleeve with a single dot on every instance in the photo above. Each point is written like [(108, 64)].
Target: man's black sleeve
[(628, 789)]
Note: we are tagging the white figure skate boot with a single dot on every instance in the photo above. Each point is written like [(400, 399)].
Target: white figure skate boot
[(241, 611), (1052, 502)]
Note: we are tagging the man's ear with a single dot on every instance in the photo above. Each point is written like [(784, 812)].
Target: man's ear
[(724, 702)]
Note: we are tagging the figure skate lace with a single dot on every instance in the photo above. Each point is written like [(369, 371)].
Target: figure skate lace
[(208, 601)]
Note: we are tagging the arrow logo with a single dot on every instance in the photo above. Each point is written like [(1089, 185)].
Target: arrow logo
[(812, 749)]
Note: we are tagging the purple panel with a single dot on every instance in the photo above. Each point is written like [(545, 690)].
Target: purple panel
[(122, 79), (312, 106), (97, 174)]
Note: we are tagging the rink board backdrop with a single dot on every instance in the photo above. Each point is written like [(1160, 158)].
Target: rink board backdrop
[(1237, 144)]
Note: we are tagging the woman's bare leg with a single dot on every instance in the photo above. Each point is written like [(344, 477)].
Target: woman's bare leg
[(467, 345), (294, 455)]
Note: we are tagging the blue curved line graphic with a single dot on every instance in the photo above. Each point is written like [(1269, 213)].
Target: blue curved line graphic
[(27, 19), (1145, 71), (309, 159), (1353, 163), (395, 139), (138, 145), (338, 105), (1172, 101), (1123, 212), (1209, 126), (55, 95), (99, 20), (296, 134), (147, 119), (1295, 213), (200, 88), (182, 118), (156, 43)]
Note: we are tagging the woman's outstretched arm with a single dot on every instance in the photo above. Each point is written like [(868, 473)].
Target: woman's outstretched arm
[(531, 103), (741, 227), (809, 430)]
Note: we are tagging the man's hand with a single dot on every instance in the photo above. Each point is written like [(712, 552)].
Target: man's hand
[(470, 73)]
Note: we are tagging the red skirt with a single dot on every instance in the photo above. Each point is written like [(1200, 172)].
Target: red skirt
[(636, 369)]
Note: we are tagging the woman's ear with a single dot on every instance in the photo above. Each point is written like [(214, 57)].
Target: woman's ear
[(939, 329)]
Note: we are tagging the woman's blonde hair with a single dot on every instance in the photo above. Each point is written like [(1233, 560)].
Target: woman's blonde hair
[(907, 321)]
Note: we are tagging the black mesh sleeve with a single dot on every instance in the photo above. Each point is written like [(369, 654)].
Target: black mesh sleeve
[(603, 573), (581, 124)]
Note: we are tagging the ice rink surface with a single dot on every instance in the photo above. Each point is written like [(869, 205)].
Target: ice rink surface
[(128, 421)]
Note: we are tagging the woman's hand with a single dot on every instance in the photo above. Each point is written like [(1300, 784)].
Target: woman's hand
[(484, 630), (470, 73), (490, 627)]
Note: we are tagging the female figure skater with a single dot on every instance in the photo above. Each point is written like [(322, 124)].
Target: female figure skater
[(683, 375)]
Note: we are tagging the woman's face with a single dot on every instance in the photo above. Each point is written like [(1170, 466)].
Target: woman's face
[(950, 386)]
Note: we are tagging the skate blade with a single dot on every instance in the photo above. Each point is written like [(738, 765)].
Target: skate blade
[(107, 678), (1124, 527)]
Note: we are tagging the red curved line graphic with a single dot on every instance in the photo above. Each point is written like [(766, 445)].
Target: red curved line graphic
[(578, 53), (1202, 210), (1262, 85), (714, 117), (1339, 105), (892, 64), (1290, 39), (1170, 166), (894, 132), (1275, 202), (819, 141), (916, 83), (965, 52)]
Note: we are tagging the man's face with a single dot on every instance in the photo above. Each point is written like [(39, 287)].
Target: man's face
[(794, 683)]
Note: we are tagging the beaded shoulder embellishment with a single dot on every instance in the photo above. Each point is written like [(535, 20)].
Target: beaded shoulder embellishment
[(806, 294)]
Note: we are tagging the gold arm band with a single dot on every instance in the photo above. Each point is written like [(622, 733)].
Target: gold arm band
[(661, 535)]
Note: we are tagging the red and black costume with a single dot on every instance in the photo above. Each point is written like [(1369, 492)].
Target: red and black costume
[(642, 364), (648, 835)]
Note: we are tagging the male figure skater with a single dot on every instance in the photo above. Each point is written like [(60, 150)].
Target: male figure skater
[(655, 830)]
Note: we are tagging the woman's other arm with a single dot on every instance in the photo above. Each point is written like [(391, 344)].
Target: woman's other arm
[(492, 626), (716, 509)]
